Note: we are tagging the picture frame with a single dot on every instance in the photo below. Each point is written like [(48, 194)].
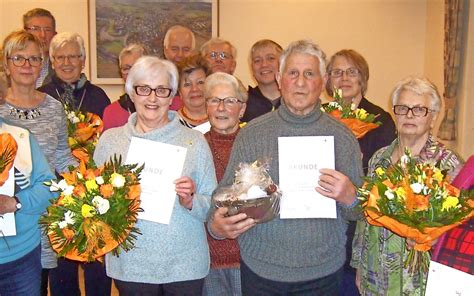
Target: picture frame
[(113, 24)]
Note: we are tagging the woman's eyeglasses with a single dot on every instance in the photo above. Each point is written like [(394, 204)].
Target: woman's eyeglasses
[(417, 111), (228, 102), (145, 90), (20, 61)]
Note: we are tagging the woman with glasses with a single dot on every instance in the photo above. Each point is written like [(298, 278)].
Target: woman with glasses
[(170, 259), (349, 71), (379, 254), (226, 102), (40, 113), (192, 73), (69, 85)]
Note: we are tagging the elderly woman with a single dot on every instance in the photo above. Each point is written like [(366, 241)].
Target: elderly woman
[(226, 102), (349, 71), (378, 254), (34, 110), (69, 85), (192, 72), (117, 113), (167, 259), (24, 196)]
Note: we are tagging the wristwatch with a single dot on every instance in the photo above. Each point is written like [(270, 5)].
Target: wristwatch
[(18, 203)]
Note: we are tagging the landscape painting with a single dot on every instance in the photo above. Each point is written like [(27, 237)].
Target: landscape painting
[(116, 23)]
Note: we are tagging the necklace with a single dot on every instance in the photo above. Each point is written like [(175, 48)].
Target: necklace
[(24, 113), (189, 118)]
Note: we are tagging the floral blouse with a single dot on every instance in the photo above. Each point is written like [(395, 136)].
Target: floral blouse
[(378, 253)]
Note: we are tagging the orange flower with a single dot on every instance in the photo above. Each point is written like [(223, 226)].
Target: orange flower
[(8, 148), (134, 192), (336, 113), (79, 190), (90, 174), (106, 190), (68, 233), (71, 178)]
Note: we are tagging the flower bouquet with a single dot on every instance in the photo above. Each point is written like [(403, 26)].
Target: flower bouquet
[(415, 201), (83, 132), (356, 119), (8, 149), (95, 212), (252, 193)]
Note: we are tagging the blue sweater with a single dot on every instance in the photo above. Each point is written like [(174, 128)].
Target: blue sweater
[(34, 199), (178, 251)]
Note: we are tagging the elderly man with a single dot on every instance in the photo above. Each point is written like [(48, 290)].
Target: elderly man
[(41, 23), (178, 44), (264, 61), (117, 113), (220, 55), (294, 256)]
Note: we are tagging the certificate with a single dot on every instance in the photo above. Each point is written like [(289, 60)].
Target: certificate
[(447, 281), (7, 221), (163, 165), (300, 159)]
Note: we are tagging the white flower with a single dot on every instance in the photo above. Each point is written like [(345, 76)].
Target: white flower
[(389, 194), (101, 204), (416, 187), (68, 190), (62, 224), (75, 120), (117, 180), (353, 106), (404, 160), (79, 176), (99, 180), (69, 217)]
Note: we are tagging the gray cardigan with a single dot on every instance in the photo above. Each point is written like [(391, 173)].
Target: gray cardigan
[(292, 250), (178, 251)]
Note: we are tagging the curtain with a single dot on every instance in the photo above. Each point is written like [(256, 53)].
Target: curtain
[(455, 16)]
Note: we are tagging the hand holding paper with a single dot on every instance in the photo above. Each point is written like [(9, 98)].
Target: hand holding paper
[(337, 186)]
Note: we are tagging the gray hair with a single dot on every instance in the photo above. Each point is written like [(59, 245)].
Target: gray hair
[(306, 47), (151, 66), (60, 39), (221, 78), (132, 48), (213, 41), (177, 28), (420, 86)]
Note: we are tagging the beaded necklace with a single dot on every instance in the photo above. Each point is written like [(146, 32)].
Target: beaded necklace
[(190, 119)]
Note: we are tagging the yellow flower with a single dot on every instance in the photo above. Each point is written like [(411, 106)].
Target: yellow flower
[(450, 202), (68, 200), (400, 191), (379, 171), (82, 117), (71, 141), (91, 185), (87, 211), (117, 180), (361, 114), (437, 175)]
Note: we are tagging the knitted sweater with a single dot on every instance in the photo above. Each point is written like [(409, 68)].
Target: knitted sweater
[(292, 250), (224, 253), (178, 251)]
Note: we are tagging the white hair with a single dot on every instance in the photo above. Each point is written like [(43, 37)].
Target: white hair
[(306, 47), (60, 39)]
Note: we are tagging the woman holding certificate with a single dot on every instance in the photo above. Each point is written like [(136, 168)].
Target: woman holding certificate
[(170, 257)]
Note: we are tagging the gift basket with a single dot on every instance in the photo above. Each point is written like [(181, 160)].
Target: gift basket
[(252, 193)]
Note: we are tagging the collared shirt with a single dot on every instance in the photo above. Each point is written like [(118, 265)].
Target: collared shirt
[(44, 72)]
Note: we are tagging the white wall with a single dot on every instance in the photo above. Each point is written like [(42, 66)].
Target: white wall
[(397, 37)]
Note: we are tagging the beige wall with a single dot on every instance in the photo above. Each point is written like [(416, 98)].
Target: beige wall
[(397, 37)]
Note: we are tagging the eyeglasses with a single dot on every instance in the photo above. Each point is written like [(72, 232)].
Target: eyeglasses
[(228, 102), (417, 111), (20, 61), (351, 72), (34, 29), (73, 58), (145, 90), (222, 55)]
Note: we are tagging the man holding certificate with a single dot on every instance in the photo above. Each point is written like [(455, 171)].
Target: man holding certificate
[(171, 257), (316, 161)]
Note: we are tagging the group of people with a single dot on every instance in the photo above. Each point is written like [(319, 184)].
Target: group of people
[(192, 99)]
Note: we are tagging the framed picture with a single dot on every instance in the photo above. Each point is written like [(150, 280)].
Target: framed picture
[(116, 23)]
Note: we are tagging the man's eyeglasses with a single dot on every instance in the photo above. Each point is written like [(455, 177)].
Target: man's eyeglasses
[(351, 72), (73, 58), (20, 61), (33, 29), (222, 55), (145, 90), (228, 102), (417, 111)]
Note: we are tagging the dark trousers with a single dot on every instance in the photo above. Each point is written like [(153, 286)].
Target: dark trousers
[(64, 279), (22, 277), (184, 288), (253, 284)]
